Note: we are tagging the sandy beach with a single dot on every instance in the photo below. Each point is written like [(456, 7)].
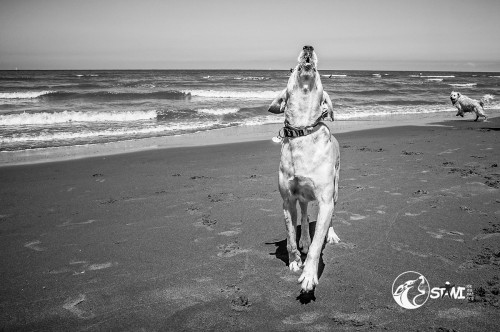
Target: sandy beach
[(192, 238)]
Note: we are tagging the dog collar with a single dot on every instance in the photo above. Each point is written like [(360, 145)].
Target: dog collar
[(290, 131)]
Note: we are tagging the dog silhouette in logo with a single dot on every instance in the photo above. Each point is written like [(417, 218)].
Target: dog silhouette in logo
[(401, 293)]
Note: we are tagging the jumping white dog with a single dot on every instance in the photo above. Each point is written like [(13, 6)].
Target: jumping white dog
[(465, 104), (309, 166)]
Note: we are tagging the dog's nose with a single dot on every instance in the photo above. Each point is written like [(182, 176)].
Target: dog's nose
[(308, 48)]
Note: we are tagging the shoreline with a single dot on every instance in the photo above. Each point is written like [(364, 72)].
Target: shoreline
[(228, 135)]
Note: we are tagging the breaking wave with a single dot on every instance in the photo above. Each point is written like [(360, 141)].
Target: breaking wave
[(232, 94), (24, 95), (44, 118)]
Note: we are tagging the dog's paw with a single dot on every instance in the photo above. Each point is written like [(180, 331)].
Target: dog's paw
[(308, 281), (332, 238), (304, 243), (295, 266)]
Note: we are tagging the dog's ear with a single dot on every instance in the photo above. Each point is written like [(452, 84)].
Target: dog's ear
[(326, 105), (278, 104)]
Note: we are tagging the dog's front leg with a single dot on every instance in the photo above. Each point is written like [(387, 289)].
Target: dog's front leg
[(305, 237), (309, 277), (290, 211)]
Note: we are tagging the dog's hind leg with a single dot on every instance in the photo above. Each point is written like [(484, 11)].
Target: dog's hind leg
[(305, 237), (480, 112), (309, 277), (332, 236), (336, 177), (290, 212)]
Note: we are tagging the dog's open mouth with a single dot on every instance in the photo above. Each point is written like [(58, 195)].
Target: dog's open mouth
[(307, 62)]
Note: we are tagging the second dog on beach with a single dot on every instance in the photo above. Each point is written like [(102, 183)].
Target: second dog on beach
[(309, 165), (465, 104)]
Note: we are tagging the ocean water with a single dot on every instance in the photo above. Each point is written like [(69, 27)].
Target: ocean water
[(40, 109)]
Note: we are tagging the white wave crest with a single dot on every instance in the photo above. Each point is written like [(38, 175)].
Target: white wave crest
[(381, 111), (117, 132), (329, 76), (261, 120), (23, 95), (252, 78), (463, 85), (232, 94), (433, 76), (437, 76), (72, 116), (218, 111)]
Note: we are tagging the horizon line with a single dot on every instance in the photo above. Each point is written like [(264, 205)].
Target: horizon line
[(247, 69)]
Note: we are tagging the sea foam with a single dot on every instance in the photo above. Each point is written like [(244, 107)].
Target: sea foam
[(463, 85), (218, 111), (44, 118), (23, 95), (232, 94), (117, 132)]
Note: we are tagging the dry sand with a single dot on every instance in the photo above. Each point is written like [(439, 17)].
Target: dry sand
[(193, 239)]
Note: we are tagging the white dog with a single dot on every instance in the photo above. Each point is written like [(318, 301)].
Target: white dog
[(309, 166), (465, 104)]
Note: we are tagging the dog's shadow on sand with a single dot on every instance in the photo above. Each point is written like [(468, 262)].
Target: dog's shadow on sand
[(281, 253)]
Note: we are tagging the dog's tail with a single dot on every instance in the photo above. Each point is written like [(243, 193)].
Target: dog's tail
[(486, 99)]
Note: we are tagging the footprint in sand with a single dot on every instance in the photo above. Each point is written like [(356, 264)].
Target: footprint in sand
[(304, 318), (71, 304), (230, 249), (409, 214), (232, 232), (203, 239), (99, 177), (442, 233), (356, 216), (80, 267), (69, 223), (94, 267), (380, 209), (457, 313), (221, 197), (346, 245), (34, 245), (194, 211), (207, 222), (448, 151), (393, 194)]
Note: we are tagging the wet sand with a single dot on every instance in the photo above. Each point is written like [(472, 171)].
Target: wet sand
[(193, 238)]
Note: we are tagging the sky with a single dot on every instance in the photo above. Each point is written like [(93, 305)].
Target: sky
[(441, 35)]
